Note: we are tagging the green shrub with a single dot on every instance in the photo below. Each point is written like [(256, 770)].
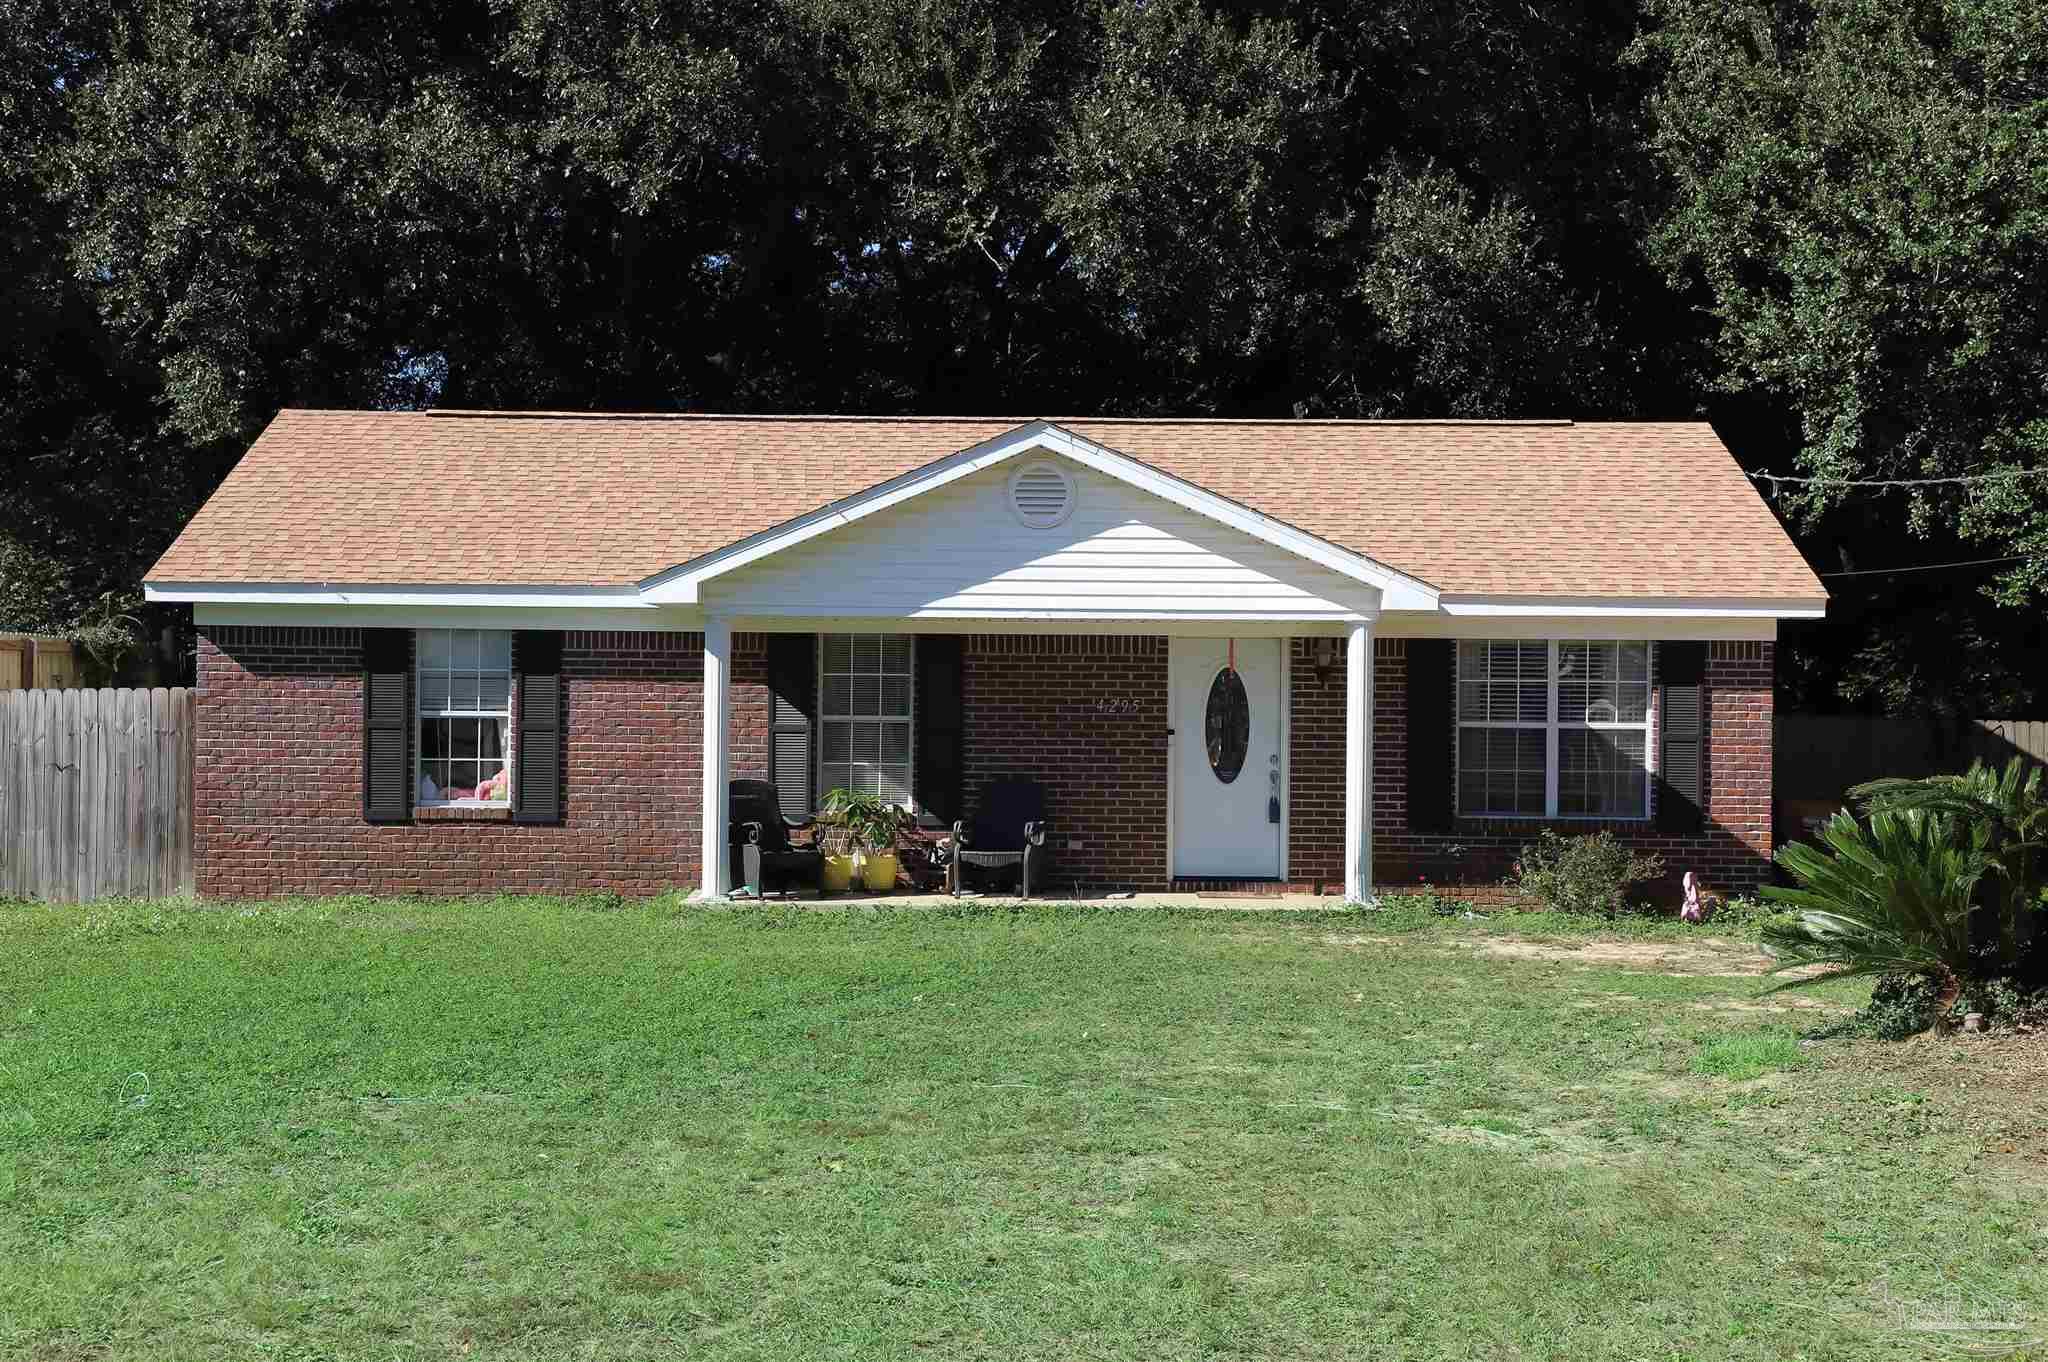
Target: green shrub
[(2007, 999), (1744, 911), (1941, 890), (1589, 874), (1904, 1005), (1901, 1005), (2000, 819), (1888, 896)]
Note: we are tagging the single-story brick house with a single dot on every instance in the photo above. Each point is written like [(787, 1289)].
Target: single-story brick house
[(464, 651)]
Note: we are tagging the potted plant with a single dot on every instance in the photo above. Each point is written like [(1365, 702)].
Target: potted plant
[(836, 843), (870, 824)]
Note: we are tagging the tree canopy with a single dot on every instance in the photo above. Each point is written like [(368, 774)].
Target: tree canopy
[(1821, 225)]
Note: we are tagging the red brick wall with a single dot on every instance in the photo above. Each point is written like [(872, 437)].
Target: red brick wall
[(277, 788), (1739, 695), (1733, 853), (279, 800), (1086, 716)]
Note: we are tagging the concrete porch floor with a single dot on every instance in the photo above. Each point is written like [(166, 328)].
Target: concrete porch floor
[(1231, 902)]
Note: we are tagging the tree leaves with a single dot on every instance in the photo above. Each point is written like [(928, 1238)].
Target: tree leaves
[(1476, 306), (1825, 217), (1860, 188)]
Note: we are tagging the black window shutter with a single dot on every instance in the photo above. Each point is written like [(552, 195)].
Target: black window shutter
[(941, 730), (792, 709), (1432, 690), (1681, 731), (387, 725), (537, 781)]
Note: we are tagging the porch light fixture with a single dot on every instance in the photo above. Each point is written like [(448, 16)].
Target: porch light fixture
[(1323, 657)]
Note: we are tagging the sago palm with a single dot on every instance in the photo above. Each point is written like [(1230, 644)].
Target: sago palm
[(1887, 896), (2003, 815)]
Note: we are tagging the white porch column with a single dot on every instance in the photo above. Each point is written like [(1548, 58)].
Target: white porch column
[(1358, 763), (717, 720)]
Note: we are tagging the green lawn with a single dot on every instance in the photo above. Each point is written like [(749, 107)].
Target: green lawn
[(515, 1128)]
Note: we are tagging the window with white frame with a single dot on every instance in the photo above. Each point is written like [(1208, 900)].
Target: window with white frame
[(1554, 729), (464, 690), (864, 740)]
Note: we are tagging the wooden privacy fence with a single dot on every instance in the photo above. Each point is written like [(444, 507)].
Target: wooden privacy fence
[(95, 793), (1820, 757), (37, 660)]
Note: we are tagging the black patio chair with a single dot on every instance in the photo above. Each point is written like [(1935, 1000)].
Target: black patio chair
[(1008, 829), (762, 854)]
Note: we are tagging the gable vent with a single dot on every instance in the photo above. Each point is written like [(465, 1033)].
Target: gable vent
[(1042, 495)]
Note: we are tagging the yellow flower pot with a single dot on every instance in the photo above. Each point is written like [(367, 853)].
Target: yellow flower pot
[(838, 875), (879, 874)]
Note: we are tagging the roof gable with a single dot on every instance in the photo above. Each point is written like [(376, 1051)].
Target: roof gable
[(683, 584)]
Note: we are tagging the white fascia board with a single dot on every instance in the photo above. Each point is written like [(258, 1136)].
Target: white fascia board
[(321, 594), (679, 586), (1730, 608)]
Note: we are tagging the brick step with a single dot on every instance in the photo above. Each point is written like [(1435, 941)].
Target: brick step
[(1250, 889)]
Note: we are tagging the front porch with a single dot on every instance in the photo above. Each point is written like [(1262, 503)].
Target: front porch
[(1148, 791), (1280, 900)]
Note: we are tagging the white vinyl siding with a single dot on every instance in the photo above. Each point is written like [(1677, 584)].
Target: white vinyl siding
[(865, 743), (1557, 728), (962, 552)]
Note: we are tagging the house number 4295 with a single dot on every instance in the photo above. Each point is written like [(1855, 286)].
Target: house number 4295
[(1115, 704)]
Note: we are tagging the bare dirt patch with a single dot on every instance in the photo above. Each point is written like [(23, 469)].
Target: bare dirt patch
[(1713, 957), (1996, 1085), (1709, 957), (2012, 1063)]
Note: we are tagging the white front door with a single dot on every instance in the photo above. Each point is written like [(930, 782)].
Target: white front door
[(1228, 773)]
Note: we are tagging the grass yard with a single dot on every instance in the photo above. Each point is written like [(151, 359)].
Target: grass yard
[(533, 1129)]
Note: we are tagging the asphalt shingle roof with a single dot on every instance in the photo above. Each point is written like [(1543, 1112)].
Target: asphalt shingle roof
[(1650, 509)]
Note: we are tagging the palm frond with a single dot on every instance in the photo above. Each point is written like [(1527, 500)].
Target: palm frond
[(1888, 896), (2001, 814)]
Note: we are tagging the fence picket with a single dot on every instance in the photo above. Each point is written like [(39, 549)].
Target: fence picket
[(115, 831), (163, 784), (135, 764), (12, 705), (24, 769), (89, 774), (68, 796), (106, 848)]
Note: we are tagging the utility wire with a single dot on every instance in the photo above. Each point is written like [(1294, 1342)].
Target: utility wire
[(1775, 478), (1929, 567)]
